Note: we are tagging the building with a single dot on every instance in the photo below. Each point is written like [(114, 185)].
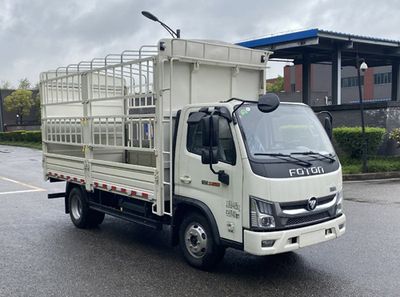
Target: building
[(375, 82)]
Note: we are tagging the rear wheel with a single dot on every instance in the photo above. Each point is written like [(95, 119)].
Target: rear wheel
[(81, 215), (197, 243)]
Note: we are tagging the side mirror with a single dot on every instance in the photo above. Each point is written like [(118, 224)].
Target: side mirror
[(268, 102), (210, 130), (209, 156), (328, 126), (328, 122), (210, 138)]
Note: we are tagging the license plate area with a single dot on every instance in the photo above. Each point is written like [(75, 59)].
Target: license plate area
[(310, 238)]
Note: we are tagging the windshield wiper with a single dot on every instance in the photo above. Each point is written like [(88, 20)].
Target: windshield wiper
[(315, 153), (284, 156)]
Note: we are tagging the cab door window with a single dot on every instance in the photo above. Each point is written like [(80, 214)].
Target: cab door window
[(226, 146)]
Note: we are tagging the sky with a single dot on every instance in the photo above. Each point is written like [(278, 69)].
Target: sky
[(40, 35)]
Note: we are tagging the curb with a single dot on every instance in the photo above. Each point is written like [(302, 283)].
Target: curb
[(369, 176)]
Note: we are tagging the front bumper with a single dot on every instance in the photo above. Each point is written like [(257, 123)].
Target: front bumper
[(293, 239)]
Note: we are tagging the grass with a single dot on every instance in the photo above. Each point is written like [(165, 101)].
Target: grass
[(375, 164), (34, 145)]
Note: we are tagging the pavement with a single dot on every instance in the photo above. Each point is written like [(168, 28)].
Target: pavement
[(371, 176), (43, 254)]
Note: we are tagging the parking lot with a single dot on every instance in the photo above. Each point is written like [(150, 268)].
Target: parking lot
[(43, 254)]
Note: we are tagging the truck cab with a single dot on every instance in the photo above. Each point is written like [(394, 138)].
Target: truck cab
[(281, 185)]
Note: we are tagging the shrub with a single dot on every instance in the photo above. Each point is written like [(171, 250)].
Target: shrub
[(349, 140), (375, 164), (21, 136), (395, 135)]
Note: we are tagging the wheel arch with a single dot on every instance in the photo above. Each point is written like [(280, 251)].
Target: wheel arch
[(185, 205)]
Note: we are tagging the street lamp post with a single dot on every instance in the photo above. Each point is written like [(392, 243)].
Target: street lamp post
[(362, 66), (174, 34)]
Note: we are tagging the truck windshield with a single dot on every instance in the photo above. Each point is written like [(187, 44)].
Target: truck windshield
[(293, 130)]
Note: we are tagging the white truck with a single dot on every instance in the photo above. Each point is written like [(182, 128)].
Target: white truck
[(182, 135)]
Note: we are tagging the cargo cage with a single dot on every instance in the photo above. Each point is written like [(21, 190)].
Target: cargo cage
[(108, 123)]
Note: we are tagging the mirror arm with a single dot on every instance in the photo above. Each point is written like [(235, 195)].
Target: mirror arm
[(212, 169), (222, 176), (234, 119)]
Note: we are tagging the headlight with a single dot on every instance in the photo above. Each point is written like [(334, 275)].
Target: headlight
[(339, 203), (261, 215)]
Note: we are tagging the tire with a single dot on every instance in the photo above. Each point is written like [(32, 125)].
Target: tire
[(197, 242), (81, 215)]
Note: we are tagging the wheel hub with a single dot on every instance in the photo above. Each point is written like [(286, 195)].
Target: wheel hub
[(76, 207), (196, 240)]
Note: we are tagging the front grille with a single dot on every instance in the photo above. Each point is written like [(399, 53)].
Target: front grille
[(307, 219), (303, 203)]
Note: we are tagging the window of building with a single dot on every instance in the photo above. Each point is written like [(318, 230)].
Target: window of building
[(382, 78), (352, 81), (227, 152), (293, 88)]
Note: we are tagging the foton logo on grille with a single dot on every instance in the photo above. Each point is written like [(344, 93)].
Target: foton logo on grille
[(306, 171)]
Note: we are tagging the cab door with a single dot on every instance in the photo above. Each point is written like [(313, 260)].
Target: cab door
[(195, 180)]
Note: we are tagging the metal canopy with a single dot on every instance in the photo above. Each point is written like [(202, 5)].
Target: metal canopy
[(320, 45), (316, 46)]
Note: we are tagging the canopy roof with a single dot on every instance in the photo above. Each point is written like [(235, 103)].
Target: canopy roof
[(321, 44)]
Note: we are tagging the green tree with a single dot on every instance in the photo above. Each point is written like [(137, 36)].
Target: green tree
[(24, 84), (19, 101), (276, 86)]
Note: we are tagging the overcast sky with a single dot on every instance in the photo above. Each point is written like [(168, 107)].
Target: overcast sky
[(39, 35)]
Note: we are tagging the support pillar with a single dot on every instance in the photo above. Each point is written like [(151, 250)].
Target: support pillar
[(306, 79), (395, 81), (337, 78), (286, 79)]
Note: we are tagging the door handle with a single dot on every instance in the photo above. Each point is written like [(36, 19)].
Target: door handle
[(186, 179)]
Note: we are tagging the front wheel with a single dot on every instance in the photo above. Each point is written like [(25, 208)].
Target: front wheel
[(197, 243), (81, 215)]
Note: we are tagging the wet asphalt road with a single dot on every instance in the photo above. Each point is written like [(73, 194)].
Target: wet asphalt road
[(42, 254)]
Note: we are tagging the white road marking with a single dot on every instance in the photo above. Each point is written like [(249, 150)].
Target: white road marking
[(22, 191), (31, 188)]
